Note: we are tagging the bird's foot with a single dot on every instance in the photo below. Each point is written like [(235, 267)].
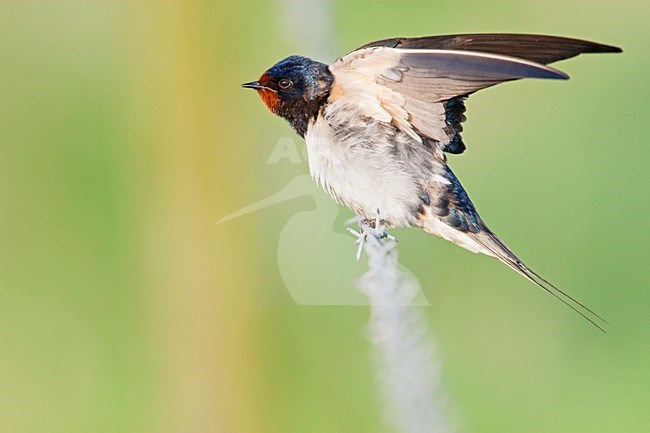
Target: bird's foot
[(373, 223), (374, 227)]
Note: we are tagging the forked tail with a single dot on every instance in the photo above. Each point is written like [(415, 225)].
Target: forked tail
[(494, 245)]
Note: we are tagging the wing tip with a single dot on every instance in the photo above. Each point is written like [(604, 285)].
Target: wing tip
[(554, 74), (602, 48)]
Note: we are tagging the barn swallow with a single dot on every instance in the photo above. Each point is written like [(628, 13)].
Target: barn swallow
[(379, 121)]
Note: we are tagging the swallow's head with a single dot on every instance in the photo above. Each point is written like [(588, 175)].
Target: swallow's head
[(294, 88)]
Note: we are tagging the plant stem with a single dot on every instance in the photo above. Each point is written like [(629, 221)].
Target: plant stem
[(405, 358)]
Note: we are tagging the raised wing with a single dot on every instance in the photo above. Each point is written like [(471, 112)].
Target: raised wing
[(431, 73), (537, 48), (422, 91)]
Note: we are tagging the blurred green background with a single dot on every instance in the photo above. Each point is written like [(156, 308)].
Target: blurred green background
[(124, 137)]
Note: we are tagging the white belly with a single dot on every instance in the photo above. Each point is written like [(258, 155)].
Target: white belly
[(359, 169)]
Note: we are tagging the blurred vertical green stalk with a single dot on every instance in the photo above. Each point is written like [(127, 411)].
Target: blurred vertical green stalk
[(202, 298), (123, 309)]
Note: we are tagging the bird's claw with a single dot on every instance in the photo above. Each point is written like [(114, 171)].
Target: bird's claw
[(369, 227), (361, 239)]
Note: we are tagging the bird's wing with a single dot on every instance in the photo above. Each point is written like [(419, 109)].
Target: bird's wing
[(422, 91), (536, 48), (443, 74)]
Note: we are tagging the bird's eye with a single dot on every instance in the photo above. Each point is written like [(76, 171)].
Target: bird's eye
[(285, 84)]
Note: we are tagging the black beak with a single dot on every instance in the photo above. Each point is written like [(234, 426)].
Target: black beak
[(253, 85)]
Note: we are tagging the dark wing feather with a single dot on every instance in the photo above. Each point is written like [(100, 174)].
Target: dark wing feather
[(454, 117), (537, 48), (439, 75)]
